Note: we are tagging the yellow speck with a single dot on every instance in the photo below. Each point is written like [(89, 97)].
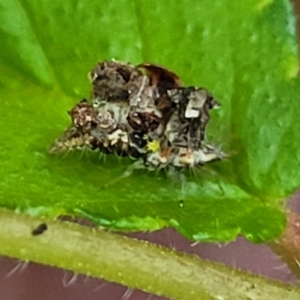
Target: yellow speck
[(153, 146)]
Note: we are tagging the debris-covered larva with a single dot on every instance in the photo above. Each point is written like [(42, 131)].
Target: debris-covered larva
[(144, 112)]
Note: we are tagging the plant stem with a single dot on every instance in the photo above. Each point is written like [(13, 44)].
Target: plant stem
[(288, 245), (134, 263)]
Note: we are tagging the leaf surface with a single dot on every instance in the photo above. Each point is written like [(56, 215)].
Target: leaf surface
[(244, 52)]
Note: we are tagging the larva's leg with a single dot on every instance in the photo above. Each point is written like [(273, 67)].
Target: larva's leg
[(178, 178), (135, 166)]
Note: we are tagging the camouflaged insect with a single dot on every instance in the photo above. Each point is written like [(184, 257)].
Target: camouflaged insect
[(144, 112)]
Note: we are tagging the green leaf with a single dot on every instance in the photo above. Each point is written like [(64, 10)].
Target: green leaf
[(245, 52)]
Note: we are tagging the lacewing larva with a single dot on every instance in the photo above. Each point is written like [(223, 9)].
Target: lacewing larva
[(143, 112)]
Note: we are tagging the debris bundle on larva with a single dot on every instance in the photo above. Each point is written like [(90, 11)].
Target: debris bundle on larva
[(143, 112)]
